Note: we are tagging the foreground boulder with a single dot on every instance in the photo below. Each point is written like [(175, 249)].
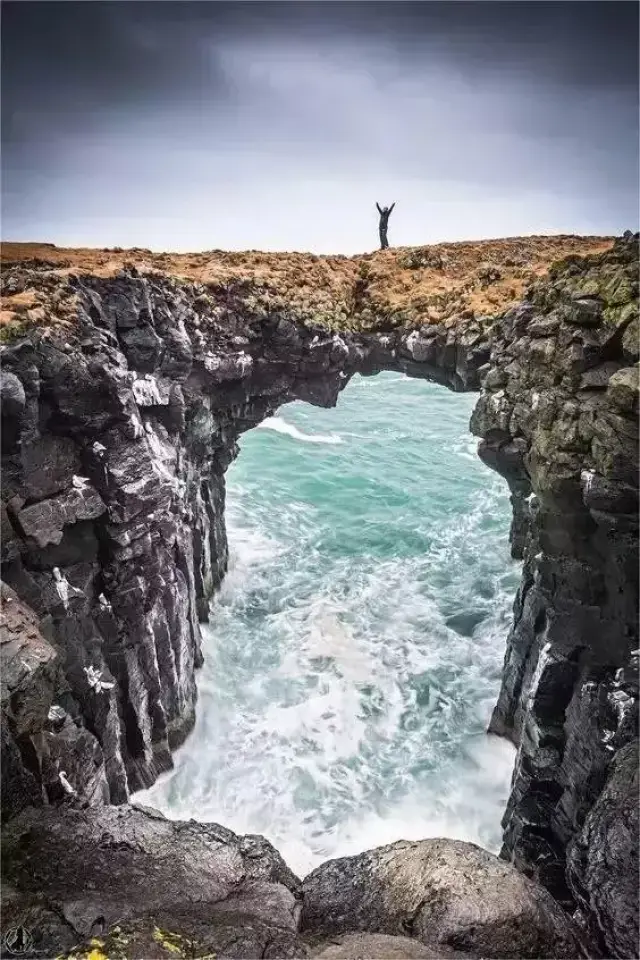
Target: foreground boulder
[(191, 932), (124, 882), (194, 933), (73, 874), (379, 946), (442, 892)]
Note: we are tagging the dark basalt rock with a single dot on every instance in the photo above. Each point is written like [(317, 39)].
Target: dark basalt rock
[(575, 618), (39, 743), (115, 442), (603, 859), (442, 892)]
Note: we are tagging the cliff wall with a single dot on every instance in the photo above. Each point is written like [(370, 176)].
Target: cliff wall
[(124, 390)]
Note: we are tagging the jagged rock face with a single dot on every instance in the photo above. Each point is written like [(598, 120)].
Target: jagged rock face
[(115, 441), (559, 418), (441, 892), (115, 447), (603, 859), (43, 749), (27, 681)]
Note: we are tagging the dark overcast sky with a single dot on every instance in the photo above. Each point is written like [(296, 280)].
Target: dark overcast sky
[(179, 125)]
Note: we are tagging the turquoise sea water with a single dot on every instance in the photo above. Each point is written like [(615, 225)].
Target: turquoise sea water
[(354, 653)]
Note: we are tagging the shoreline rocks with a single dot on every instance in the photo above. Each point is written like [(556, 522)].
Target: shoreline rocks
[(140, 886), (116, 435), (444, 893)]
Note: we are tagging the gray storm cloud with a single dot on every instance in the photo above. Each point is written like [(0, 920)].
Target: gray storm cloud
[(270, 126)]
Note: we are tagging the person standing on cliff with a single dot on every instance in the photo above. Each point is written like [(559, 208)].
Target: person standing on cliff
[(385, 213)]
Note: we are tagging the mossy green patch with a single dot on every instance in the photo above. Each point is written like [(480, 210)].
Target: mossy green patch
[(14, 330), (96, 953), (178, 946), (587, 288), (172, 942), (619, 290), (620, 316)]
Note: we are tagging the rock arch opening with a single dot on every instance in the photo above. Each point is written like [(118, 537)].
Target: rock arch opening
[(353, 655)]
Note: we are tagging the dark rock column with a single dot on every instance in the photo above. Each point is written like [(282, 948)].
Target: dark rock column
[(569, 689), (603, 859)]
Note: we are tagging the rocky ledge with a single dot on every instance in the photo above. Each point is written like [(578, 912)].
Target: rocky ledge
[(124, 391), (131, 884)]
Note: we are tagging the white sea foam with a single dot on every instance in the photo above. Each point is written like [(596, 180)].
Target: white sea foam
[(354, 653), (279, 425), (295, 760)]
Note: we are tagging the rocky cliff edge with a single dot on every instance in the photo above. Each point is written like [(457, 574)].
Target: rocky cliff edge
[(127, 379)]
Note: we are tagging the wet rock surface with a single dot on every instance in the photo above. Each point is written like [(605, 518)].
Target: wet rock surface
[(563, 430), (76, 874), (603, 859), (137, 885), (116, 434), (379, 946), (441, 892)]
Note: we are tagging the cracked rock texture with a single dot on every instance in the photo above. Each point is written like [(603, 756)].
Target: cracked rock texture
[(557, 422), (119, 420), (603, 858)]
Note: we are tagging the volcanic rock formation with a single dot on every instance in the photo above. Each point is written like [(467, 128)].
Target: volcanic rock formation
[(124, 390)]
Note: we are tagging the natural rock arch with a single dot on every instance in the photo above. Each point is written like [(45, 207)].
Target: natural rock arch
[(115, 443)]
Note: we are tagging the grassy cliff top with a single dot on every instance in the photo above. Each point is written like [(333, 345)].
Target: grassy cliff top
[(441, 283)]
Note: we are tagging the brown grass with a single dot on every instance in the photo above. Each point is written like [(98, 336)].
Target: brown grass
[(440, 283)]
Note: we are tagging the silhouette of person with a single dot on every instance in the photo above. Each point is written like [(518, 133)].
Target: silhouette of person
[(385, 213)]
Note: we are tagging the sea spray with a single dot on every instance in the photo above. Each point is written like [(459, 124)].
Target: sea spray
[(288, 429), (354, 651)]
